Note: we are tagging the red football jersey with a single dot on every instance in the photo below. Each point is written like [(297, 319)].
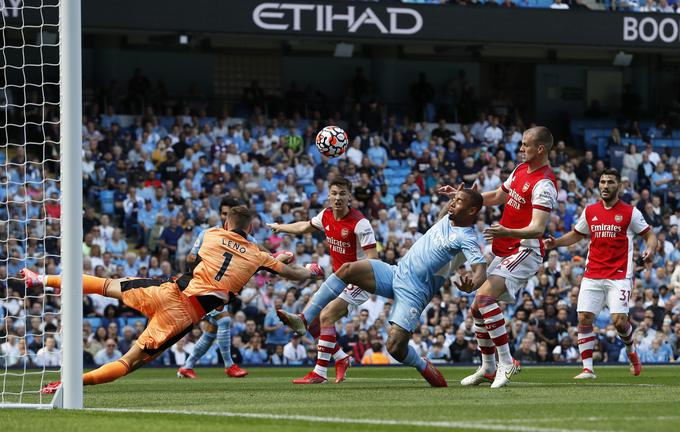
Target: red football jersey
[(611, 234), (347, 238), (526, 192)]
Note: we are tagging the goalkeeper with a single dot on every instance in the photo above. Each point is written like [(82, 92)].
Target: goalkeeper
[(226, 261)]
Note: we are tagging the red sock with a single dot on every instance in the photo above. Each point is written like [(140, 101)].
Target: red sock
[(326, 348)]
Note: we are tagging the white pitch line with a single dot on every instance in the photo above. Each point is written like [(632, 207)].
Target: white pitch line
[(583, 419), (380, 422), (585, 385)]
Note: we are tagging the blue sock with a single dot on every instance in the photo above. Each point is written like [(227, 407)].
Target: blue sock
[(413, 359), (202, 346), (329, 291), (224, 340)]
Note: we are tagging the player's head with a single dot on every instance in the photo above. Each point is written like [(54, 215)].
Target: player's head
[(464, 208), (610, 181), (536, 144), (239, 217), (225, 205), (339, 193)]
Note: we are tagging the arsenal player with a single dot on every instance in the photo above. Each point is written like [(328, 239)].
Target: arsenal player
[(611, 226), (529, 195), (350, 237)]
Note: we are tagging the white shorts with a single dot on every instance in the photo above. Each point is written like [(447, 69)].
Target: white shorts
[(516, 269), (354, 295), (595, 294)]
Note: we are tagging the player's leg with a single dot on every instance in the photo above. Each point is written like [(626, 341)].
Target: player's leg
[(487, 371), (327, 345), (131, 360), (494, 322), (91, 284), (409, 303), (586, 344), (398, 347), (360, 273), (618, 298), (591, 300), (224, 342), (202, 346)]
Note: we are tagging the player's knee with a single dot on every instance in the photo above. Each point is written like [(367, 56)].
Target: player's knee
[(620, 322), (345, 271), (585, 319), (474, 310)]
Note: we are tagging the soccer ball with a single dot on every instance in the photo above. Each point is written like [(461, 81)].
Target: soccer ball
[(332, 141)]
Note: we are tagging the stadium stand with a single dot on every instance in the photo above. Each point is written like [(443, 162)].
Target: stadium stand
[(153, 181)]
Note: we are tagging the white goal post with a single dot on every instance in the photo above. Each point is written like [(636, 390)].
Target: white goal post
[(70, 74), (41, 201)]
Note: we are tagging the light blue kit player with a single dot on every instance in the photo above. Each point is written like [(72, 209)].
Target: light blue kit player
[(413, 282), (217, 324)]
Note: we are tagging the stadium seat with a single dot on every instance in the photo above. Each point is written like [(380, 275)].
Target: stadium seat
[(94, 322), (629, 141), (662, 143)]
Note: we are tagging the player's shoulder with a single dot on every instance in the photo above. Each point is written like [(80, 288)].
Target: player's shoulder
[(212, 231), (355, 215)]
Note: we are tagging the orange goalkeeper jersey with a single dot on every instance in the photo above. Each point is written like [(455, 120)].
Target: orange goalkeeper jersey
[(227, 260)]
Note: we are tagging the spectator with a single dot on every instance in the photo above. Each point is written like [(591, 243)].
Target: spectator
[(375, 355), (294, 352), (108, 354), (557, 4)]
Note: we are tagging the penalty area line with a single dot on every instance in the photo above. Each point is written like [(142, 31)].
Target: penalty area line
[(477, 425)]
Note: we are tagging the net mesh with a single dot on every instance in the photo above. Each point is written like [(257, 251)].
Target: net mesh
[(30, 348)]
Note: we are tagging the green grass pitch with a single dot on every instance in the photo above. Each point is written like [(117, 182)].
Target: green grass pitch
[(373, 399)]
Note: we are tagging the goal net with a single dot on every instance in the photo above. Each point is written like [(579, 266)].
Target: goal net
[(35, 125)]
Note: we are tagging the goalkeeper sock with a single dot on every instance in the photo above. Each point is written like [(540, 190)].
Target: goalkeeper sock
[(107, 373), (91, 284), (202, 346), (413, 359), (224, 340), (329, 291)]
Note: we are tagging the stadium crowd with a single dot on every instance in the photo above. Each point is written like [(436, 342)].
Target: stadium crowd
[(643, 6), (152, 182)]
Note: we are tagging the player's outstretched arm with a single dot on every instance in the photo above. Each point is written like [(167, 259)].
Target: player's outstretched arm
[(568, 239), (494, 198), (301, 227), (298, 273), (535, 229)]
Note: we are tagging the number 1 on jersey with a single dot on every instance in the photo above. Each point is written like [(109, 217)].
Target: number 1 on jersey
[(227, 259)]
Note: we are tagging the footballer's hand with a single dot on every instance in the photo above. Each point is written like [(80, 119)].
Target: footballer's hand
[(285, 256), (549, 242), (495, 231), (450, 191), (316, 271), (275, 227), (465, 284), (647, 255)]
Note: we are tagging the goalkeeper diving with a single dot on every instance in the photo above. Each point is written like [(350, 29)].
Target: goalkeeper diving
[(225, 263)]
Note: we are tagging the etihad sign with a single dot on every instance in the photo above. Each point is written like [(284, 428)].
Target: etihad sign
[(336, 18)]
